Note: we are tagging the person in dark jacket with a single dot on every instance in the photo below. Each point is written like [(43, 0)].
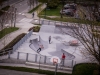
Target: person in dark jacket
[(49, 39)]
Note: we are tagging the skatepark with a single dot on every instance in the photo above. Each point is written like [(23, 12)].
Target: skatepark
[(60, 43)]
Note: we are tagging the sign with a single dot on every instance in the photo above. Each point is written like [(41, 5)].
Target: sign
[(55, 59)]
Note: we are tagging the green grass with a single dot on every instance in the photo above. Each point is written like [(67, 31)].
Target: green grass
[(34, 9), (7, 31), (52, 12), (56, 12), (33, 70)]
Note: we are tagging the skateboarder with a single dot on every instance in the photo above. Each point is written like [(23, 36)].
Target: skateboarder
[(40, 47), (49, 39)]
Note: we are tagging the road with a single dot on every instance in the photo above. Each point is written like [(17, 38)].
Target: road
[(12, 72), (21, 9), (9, 2)]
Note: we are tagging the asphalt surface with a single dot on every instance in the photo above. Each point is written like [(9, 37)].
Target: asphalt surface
[(12, 72)]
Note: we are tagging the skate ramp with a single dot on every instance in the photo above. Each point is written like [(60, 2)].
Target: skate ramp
[(35, 44), (60, 50), (47, 28), (44, 43)]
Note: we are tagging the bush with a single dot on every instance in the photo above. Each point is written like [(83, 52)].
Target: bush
[(53, 4), (35, 28), (84, 69), (5, 8)]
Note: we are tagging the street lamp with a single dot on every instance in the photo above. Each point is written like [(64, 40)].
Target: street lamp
[(45, 9), (15, 17), (62, 9)]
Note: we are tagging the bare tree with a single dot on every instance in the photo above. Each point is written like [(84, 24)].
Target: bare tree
[(8, 17), (89, 36), (30, 3)]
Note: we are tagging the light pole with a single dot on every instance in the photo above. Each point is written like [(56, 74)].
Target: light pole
[(62, 9), (45, 9), (15, 17)]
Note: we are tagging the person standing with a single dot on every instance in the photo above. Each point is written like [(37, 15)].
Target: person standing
[(63, 59), (40, 47), (33, 14), (49, 39)]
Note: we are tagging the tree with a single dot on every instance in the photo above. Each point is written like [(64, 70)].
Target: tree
[(89, 37), (30, 3), (52, 4)]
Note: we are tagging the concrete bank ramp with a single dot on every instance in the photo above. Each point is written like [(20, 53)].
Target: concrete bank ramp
[(35, 44), (60, 50), (47, 28)]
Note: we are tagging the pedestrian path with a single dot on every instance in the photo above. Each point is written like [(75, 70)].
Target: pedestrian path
[(12, 72), (26, 20)]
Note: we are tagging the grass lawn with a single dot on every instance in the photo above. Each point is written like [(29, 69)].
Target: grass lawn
[(52, 12), (56, 12), (7, 31)]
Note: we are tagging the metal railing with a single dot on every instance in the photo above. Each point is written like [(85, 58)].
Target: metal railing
[(37, 58), (18, 44), (52, 22)]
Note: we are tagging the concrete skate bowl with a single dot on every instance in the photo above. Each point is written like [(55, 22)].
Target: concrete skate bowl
[(35, 44), (60, 50), (47, 28)]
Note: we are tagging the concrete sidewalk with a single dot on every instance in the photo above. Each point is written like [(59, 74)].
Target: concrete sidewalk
[(12, 72)]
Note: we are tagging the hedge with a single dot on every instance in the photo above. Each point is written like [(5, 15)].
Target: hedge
[(11, 44)]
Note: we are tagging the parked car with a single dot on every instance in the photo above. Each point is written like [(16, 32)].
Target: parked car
[(67, 12), (68, 9)]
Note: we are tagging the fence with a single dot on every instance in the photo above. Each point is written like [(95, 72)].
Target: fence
[(18, 44), (51, 22), (37, 58)]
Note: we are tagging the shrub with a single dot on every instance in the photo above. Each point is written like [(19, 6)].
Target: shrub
[(35, 28), (84, 69), (5, 8), (8, 47)]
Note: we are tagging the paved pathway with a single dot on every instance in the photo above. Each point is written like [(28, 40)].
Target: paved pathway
[(12, 72)]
